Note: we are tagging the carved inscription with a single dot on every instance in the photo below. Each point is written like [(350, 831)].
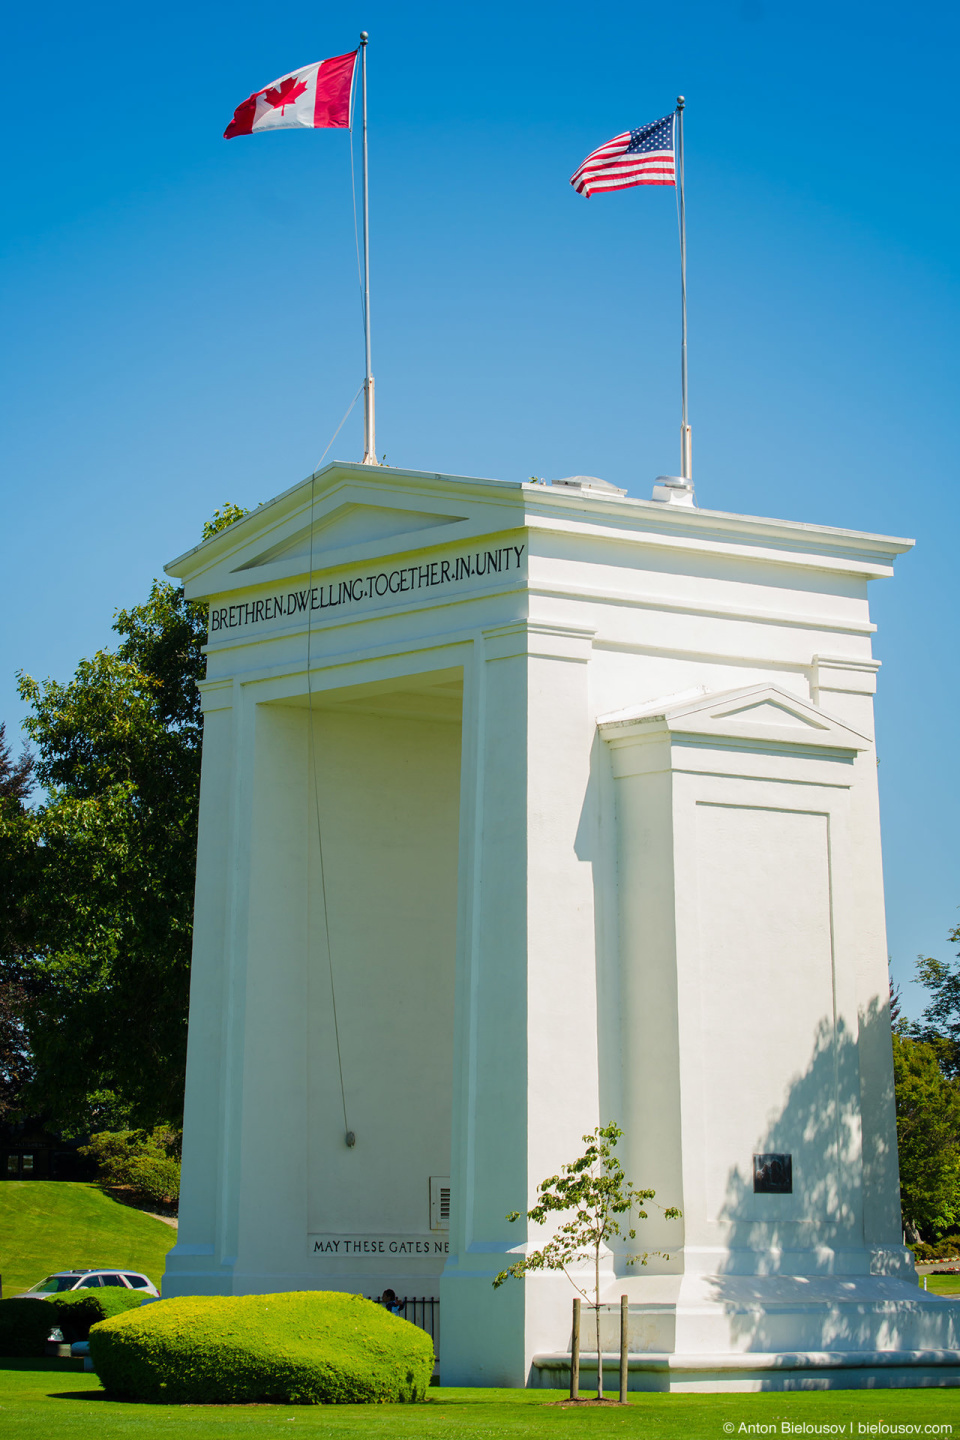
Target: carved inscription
[(402, 581), (351, 1245)]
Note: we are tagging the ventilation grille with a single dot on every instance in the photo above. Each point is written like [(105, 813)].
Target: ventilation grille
[(439, 1202)]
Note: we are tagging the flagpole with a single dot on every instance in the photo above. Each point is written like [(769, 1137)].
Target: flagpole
[(369, 426), (686, 457)]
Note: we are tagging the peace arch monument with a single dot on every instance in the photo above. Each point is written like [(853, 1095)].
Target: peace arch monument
[(526, 808)]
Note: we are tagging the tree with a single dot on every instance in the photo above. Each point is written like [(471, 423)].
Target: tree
[(16, 783), (928, 1137), (16, 778), (16, 1069), (596, 1190), (941, 1019), (226, 515), (106, 869), (927, 1073)]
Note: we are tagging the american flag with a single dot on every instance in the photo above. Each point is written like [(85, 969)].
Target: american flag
[(637, 157)]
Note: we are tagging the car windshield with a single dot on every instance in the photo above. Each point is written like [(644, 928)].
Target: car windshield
[(54, 1284)]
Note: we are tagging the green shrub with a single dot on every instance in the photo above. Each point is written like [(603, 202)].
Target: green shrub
[(25, 1325), (156, 1177), (77, 1310), (944, 1249), (309, 1347), (146, 1161)]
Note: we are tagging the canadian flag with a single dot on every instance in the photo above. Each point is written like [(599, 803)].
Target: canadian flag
[(318, 97)]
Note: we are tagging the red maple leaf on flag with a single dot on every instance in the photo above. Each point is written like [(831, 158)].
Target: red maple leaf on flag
[(286, 93)]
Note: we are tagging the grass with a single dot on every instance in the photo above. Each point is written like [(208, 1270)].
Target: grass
[(48, 1225), (40, 1405), (943, 1284)]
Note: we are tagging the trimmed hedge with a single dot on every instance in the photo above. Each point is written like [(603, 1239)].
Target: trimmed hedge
[(25, 1325), (308, 1347), (77, 1310)]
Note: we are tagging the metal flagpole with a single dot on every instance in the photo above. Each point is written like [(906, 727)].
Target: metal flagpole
[(369, 425), (686, 456)]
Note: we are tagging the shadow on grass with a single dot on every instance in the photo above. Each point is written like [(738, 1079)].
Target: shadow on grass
[(480, 1396), (50, 1363), (78, 1395), (226, 1404)]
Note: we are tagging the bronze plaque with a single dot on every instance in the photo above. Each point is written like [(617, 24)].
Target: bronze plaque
[(773, 1174)]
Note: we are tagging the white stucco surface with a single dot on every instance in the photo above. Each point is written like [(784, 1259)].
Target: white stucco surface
[(569, 801)]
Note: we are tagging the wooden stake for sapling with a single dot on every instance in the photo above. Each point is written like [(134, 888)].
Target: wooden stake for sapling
[(575, 1353)]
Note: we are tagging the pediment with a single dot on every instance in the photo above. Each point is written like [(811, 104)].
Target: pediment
[(346, 514), (347, 525), (771, 712), (762, 714)]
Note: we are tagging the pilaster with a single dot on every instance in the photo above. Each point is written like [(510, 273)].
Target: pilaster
[(526, 1002)]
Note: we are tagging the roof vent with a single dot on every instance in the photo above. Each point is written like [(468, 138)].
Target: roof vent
[(674, 490), (590, 483)]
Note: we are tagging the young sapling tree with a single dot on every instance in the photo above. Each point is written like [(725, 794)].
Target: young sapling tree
[(596, 1191)]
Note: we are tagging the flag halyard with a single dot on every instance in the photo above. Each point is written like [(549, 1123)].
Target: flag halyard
[(645, 156), (316, 97)]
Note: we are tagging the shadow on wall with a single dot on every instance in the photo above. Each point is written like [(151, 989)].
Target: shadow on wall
[(804, 1292), (818, 1126), (595, 844)]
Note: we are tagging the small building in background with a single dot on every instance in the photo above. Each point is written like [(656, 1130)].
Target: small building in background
[(30, 1151)]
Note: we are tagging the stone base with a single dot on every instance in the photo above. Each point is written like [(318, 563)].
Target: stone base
[(802, 1370), (770, 1332)]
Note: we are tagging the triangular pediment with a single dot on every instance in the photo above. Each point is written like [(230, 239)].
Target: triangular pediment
[(344, 515), (760, 714), (770, 712), (348, 525)]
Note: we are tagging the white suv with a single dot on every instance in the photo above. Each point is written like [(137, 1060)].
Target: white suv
[(91, 1279)]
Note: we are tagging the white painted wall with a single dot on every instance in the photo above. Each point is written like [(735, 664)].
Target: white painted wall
[(389, 812), (766, 1003)]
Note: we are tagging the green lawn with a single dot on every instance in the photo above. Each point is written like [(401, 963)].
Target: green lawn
[(48, 1225), (943, 1285), (40, 1405)]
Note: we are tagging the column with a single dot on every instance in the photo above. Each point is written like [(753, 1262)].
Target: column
[(193, 1266), (526, 1047)]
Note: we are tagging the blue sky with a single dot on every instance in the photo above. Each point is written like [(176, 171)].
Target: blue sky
[(181, 314)]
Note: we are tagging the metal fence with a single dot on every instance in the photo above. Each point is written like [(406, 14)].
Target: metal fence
[(421, 1310)]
